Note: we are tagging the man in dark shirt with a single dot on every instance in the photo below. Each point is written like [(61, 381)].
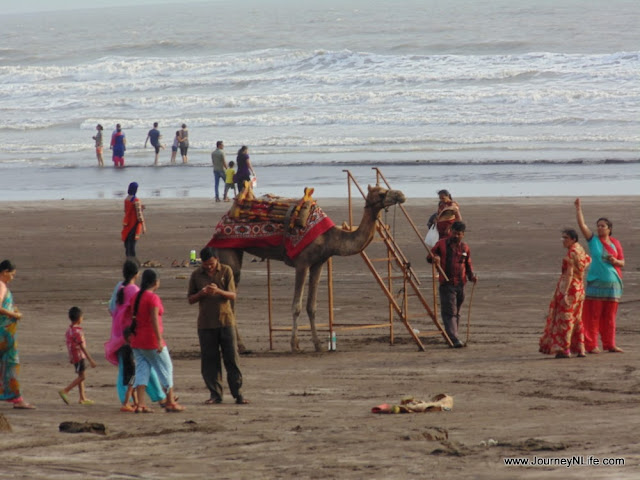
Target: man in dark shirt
[(454, 256), (154, 137), (213, 288)]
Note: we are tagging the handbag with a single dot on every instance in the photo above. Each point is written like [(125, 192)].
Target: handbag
[(432, 236)]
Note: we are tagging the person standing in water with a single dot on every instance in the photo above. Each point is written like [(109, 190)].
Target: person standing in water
[(99, 145), (154, 136), (119, 146)]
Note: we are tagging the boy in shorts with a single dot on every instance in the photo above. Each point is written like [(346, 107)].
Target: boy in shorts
[(78, 355), (228, 181)]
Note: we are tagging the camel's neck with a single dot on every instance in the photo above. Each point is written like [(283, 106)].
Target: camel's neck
[(352, 242)]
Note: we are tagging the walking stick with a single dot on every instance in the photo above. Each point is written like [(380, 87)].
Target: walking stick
[(469, 315)]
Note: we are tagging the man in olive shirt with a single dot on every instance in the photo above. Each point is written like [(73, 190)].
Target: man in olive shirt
[(213, 288), (219, 166)]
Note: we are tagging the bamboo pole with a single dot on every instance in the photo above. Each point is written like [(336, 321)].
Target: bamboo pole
[(330, 294), (390, 281), (413, 225), (269, 304), (469, 315)]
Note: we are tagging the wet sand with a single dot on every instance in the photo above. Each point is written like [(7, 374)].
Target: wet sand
[(309, 415)]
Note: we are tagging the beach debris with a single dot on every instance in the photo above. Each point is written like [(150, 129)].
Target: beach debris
[(535, 445), (175, 264), (151, 264), (439, 403), (489, 443), (436, 434), (5, 426), (86, 427), (454, 449)]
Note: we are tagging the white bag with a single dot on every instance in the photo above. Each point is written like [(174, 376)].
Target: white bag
[(254, 181), (432, 236)]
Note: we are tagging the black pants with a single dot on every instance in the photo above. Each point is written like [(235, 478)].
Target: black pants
[(130, 243), (214, 344), (451, 298), (241, 181)]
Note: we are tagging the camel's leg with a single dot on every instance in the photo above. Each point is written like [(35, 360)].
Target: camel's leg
[(296, 306), (312, 297)]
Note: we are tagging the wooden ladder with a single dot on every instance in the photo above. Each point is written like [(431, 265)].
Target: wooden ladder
[(395, 259)]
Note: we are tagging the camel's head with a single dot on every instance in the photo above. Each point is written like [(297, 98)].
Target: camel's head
[(380, 198)]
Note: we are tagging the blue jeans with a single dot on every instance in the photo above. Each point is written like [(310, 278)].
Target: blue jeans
[(218, 176)]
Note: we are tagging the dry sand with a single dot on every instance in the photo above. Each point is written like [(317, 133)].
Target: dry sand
[(309, 415)]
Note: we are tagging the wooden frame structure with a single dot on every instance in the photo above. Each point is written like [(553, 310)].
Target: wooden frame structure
[(394, 256)]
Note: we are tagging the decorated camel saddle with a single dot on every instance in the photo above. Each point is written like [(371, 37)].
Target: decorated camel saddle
[(271, 221)]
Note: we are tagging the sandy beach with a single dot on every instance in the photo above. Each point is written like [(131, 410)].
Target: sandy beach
[(310, 413)]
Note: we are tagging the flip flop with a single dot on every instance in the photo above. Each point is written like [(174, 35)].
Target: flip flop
[(86, 402), (143, 409), (64, 396), (163, 403), (242, 401), (23, 406), (212, 401), (173, 407)]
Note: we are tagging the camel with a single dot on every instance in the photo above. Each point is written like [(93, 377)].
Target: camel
[(335, 241)]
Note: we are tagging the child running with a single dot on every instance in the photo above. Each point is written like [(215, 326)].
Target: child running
[(78, 353)]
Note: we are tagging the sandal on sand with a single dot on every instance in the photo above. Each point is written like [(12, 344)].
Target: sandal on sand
[(212, 401), (64, 396), (241, 400), (173, 407), (143, 409), (23, 406), (86, 402), (163, 403), (595, 350), (127, 408), (616, 350), (562, 355)]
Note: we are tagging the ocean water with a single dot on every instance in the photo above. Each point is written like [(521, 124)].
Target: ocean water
[(485, 97)]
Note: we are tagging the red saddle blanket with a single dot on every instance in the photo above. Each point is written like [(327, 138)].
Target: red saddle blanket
[(243, 233)]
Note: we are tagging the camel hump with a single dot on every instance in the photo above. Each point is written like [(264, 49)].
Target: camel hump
[(292, 212)]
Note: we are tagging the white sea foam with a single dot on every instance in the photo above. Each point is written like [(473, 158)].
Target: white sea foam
[(304, 85)]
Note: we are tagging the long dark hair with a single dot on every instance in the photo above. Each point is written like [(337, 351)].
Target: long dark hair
[(129, 270), (7, 266), (571, 233), (149, 279)]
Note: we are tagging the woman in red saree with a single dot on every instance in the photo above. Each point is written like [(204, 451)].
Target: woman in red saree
[(448, 212), (564, 333), (133, 223)]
